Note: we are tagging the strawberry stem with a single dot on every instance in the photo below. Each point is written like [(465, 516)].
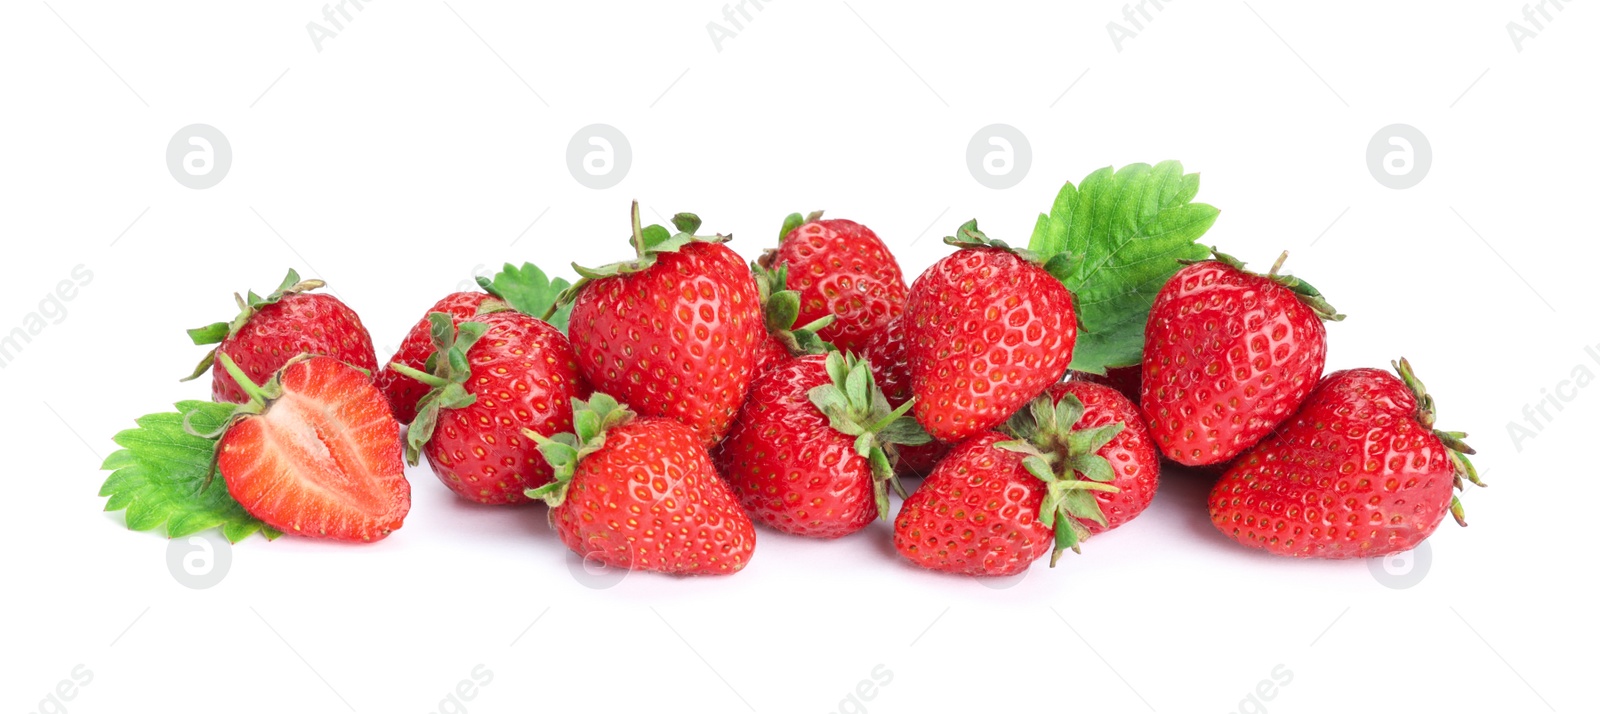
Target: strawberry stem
[(419, 375), (250, 389), (1276, 266)]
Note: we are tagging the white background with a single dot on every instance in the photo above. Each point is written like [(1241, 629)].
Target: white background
[(427, 140)]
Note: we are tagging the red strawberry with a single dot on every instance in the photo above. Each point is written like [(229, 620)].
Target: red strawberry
[(1131, 453), (641, 494), (917, 460), (806, 454), (673, 332), (781, 307), (1126, 380), (987, 330), (886, 351), (315, 452), (1229, 355), (1078, 462), (976, 514), (271, 330), (404, 392), (840, 268), (1359, 472), (496, 376)]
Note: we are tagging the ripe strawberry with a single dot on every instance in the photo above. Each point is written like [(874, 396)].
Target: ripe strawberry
[(886, 351), (641, 494), (840, 268), (1229, 355), (315, 452), (1126, 380), (807, 453), (987, 330), (976, 514), (496, 376), (917, 460), (271, 330), (673, 332), (1131, 452), (781, 306), (1359, 472), (523, 288), (404, 392)]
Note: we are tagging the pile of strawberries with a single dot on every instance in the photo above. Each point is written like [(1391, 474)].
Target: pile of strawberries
[(691, 396)]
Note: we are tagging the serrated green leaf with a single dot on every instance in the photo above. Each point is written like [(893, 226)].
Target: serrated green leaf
[(163, 476), (1126, 231), (528, 290)]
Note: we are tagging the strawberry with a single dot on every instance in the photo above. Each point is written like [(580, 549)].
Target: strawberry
[(1126, 380), (987, 329), (495, 377), (976, 514), (1228, 356), (806, 454), (673, 332), (918, 460), (781, 306), (315, 452), (1359, 472), (404, 392), (271, 330), (886, 351), (996, 503), (641, 494), (525, 289), (840, 268), (1131, 452)]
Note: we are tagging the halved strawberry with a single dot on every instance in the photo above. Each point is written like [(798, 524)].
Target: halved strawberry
[(315, 452)]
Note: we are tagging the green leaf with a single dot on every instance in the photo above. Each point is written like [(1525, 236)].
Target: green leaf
[(210, 334), (528, 290), (162, 476), (1127, 232)]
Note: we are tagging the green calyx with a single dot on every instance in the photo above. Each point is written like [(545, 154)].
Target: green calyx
[(856, 407), (260, 397), (795, 220), (1307, 293), (649, 242), (1454, 441), (249, 305), (1068, 460), (590, 422), (782, 308), (1058, 265), (447, 372)]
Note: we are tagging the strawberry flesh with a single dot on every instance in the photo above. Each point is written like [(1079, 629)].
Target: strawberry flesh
[(323, 460)]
